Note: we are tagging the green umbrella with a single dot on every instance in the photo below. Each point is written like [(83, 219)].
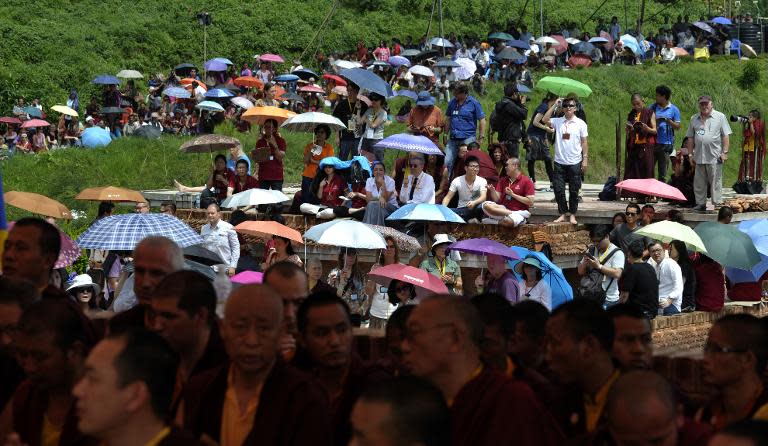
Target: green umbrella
[(501, 36), (666, 231), (563, 86), (728, 246)]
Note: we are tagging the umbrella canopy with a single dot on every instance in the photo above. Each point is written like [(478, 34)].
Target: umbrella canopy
[(249, 81), (409, 143), (466, 70), (266, 229), (110, 193), (561, 290), (219, 93), (757, 230), (741, 276), (184, 66), (33, 112), (64, 110), (105, 79), (378, 63), (210, 106), (583, 47), (112, 111), (440, 42), (286, 78), (271, 58), (336, 79), (408, 94), (93, 137), (305, 74), (410, 52), (680, 51), (254, 197), (651, 187), (247, 277), (346, 64), (404, 241), (215, 65), (748, 50), (722, 21), (260, 114), (728, 246), (546, 39), (397, 61), (563, 86), (598, 40), (425, 282), (209, 143), (129, 74), (500, 36), (421, 70), (425, 212), (631, 43), (667, 231), (484, 246), (201, 255), (508, 54), (426, 54), (306, 122), (37, 204), (572, 40), (148, 132), (10, 120), (562, 45), (177, 92), (291, 96), (311, 89), (367, 80), (35, 123), (703, 26), (223, 60), (124, 231), (242, 102), (346, 233), (445, 63), (519, 44)]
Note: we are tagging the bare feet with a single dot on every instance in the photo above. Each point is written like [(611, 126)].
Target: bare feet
[(179, 186), (573, 220), (560, 219)]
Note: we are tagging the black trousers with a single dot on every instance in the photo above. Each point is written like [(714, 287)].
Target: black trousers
[(570, 174)]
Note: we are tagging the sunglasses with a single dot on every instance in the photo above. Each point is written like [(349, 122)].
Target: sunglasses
[(631, 214), (569, 106)]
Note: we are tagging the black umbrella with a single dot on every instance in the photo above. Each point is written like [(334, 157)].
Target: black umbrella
[(148, 131), (202, 255), (425, 55), (291, 96), (112, 111), (183, 68), (203, 269), (305, 74), (508, 54)]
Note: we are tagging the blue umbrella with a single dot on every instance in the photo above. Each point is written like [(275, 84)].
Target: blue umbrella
[(367, 80), (740, 276), (500, 36), (523, 89), (425, 212), (722, 21), (93, 137), (218, 93), (123, 232), (223, 60), (33, 111), (598, 40), (409, 143), (757, 230), (215, 65), (338, 164), (551, 273), (583, 47), (519, 44), (286, 78), (106, 79), (408, 94), (177, 92), (447, 63), (631, 43), (305, 74), (210, 106), (397, 61)]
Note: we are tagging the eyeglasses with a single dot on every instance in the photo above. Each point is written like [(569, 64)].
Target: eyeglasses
[(714, 348)]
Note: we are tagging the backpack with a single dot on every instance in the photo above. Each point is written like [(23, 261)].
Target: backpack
[(591, 285), (609, 190), (500, 120)]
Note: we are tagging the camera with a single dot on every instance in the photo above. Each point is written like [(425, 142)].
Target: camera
[(739, 118)]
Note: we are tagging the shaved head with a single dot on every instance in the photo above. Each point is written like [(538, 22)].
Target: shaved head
[(459, 311), (255, 300)]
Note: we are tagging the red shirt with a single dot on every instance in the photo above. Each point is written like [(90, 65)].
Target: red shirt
[(250, 183), (522, 186), (220, 187), (332, 191), (272, 169), (359, 202)]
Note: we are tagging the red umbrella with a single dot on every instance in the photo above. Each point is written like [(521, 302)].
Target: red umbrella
[(10, 120), (579, 60), (563, 44), (249, 81), (338, 80), (34, 123), (652, 187), (425, 283), (608, 37), (312, 89), (271, 58)]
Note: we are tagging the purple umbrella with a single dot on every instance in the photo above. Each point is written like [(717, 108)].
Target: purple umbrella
[(409, 143), (69, 252), (247, 277), (483, 246), (215, 65), (397, 61)]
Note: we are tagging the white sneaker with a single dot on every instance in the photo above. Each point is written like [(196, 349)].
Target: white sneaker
[(326, 214)]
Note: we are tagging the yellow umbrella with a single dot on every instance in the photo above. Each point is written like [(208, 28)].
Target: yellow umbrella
[(110, 193), (38, 204), (64, 110), (258, 115)]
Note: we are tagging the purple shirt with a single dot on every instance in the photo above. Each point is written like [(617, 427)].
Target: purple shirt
[(505, 286)]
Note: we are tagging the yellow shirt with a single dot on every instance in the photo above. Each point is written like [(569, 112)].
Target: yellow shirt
[(51, 433), (762, 413), (159, 437), (509, 371), (593, 407), (235, 426)]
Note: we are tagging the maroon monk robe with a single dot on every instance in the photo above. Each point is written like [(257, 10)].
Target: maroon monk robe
[(691, 433), (492, 410)]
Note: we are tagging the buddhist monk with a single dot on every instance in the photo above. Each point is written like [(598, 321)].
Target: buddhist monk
[(15, 296), (290, 283)]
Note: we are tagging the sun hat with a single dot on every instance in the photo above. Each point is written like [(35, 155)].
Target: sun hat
[(441, 239), (425, 99), (533, 261), (84, 281)]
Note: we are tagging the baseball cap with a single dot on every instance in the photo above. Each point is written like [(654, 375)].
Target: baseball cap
[(704, 98)]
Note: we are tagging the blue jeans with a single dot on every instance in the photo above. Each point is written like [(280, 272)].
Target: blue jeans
[(670, 310), (307, 196), (452, 149)]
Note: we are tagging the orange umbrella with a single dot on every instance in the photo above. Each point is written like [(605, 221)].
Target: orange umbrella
[(260, 114), (110, 193), (277, 91), (266, 229), (249, 81), (38, 204), (189, 82)]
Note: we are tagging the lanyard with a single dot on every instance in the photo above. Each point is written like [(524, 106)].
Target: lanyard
[(440, 267)]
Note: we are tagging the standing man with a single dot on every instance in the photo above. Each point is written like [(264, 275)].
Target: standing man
[(667, 121), (221, 238), (571, 156), (419, 187), (707, 145), (465, 122), (538, 139), (347, 111), (509, 119)]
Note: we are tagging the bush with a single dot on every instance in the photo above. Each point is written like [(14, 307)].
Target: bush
[(750, 75)]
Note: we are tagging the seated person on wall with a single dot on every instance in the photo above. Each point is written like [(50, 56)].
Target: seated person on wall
[(471, 190), (511, 198), (241, 182)]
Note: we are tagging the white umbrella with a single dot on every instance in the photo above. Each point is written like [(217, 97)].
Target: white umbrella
[(466, 70), (439, 41), (546, 39), (210, 106), (346, 233), (573, 40), (130, 74), (242, 102), (345, 64), (421, 70), (306, 122), (254, 197)]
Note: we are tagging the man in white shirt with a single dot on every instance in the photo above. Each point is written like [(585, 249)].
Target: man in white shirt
[(419, 187), (221, 238), (482, 59), (571, 155), (472, 191), (608, 259), (670, 279)]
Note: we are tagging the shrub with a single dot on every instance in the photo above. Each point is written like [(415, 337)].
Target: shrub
[(750, 75)]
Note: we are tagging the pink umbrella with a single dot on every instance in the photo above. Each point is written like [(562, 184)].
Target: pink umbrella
[(680, 51), (563, 46), (247, 277), (271, 58), (34, 123), (364, 99), (652, 187), (311, 89), (425, 283), (69, 252), (608, 37), (10, 120)]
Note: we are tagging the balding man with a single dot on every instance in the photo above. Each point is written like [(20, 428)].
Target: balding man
[(154, 258), (290, 282), (442, 344), (31, 251), (256, 398)]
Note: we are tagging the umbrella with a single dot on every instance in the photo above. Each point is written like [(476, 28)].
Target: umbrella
[(500, 36), (184, 67), (651, 187), (346, 64), (247, 277), (37, 204), (209, 143), (341, 91), (425, 212), (562, 45), (410, 52), (148, 132), (421, 70), (130, 74), (508, 54), (445, 63), (242, 102), (346, 233), (631, 43), (404, 241), (105, 79), (681, 52), (210, 106), (523, 88), (753, 275), (409, 143), (35, 123), (551, 273), (249, 81), (218, 93), (93, 137), (64, 110), (305, 74), (408, 94), (215, 65), (748, 50), (271, 58), (425, 55), (201, 255), (286, 78), (266, 229), (10, 120), (609, 40), (112, 111), (722, 21), (572, 40), (306, 122), (397, 61), (68, 253), (545, 40), (223, 60), (425, 282), (704, 27), (260, 114), (378, 63), (254, 197), (336, 79), (110, 193), (439, 41), (667, 231), (291, 96), (728, 246), (563, 86), (519, 44), (598, 40), (757, 230), (583, 47), (124, 231), (33, 112), (484, 246), (311, 89), (367, 80), (177, 92)]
